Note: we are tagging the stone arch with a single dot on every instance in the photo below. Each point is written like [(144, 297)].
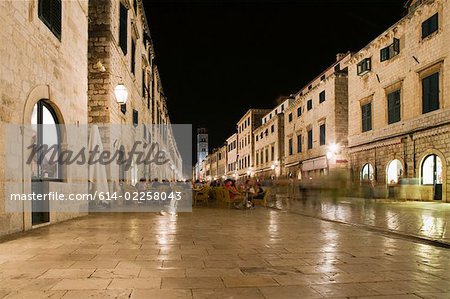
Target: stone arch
[(441, 156), (392, 159), (40, 92)]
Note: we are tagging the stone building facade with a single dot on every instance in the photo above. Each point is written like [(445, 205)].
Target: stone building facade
[(316, 124), (245, 150), (269, 143), (231, 156), (121, 52), (217, 161), (399, 128), (222, 162), (43, 79)]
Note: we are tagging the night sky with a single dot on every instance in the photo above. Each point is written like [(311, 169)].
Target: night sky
[(218, 58)]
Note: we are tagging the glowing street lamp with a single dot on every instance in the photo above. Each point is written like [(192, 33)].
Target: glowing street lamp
[(121, 93), (333, 149)]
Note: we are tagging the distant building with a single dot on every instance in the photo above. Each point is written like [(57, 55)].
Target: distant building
[(269, 143), (245, 151), (202, 144), (202, 152), (316, 125), (231, 170)]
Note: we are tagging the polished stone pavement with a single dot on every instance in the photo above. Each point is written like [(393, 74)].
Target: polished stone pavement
[(427, 220), (218, 253)]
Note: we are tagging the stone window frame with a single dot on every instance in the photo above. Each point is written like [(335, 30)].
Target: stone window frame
[(436, 67), (397, 85)]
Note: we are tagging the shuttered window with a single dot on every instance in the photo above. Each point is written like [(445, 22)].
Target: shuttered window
[(309, 105), (366, 111), (390, 51), (394, 107), (135, 118), (310, 139), (364, 66), (430, 93), (133, 57), (430, 26), (49, 12), (299, 143), (123, 29), (291, 149), (322, 97), (299, 111), (322, 134)]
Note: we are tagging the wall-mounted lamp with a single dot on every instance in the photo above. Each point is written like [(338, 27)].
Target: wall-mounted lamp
[(121, 93)]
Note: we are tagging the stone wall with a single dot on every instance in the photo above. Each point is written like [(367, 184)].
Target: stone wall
[(36, 65)]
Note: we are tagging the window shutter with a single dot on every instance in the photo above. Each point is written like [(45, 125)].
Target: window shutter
[(123, 29), (49, 12), (434, 92), (396, 45), (434, 23), (384, 53), (133, 57), (430, 93), (135, 118)]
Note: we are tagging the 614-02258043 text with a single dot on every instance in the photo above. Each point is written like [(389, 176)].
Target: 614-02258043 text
[(103, 196)]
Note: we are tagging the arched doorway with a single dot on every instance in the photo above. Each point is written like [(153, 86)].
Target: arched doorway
[(44, 167), (394, 172), (432, 174), (367, 177), (367, 173)]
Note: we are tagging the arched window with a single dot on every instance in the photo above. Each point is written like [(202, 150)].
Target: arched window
[(432, 170), (47, 142), (394, 171), (49, 12), (367, 173)]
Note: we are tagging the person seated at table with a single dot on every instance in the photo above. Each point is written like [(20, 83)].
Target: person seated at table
[(234, 193), (257, 191)]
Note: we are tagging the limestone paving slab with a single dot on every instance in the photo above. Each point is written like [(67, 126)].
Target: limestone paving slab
[(277, 255)]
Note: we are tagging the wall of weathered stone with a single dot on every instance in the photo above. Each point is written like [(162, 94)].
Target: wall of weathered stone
[(37, 65)]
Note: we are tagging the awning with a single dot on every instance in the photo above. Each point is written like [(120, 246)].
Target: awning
[(313, 164), (292, 164)]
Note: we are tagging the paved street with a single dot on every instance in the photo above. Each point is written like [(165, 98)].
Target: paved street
[(428, 220), (218, 253)]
